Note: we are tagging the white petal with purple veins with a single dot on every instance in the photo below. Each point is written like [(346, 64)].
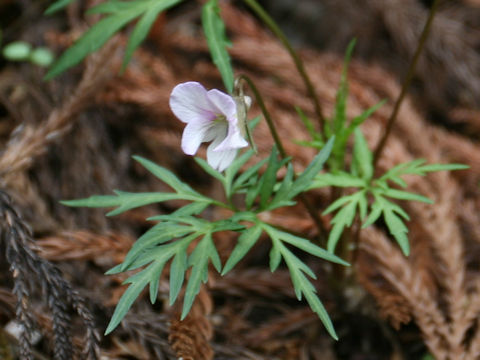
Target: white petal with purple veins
[(233, 140), (194, 134), (189, 102), (220, 160), (223, 104), (210, 116)]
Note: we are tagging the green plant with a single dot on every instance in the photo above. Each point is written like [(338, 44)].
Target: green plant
[(174, 233)]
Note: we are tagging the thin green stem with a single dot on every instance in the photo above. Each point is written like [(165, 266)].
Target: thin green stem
[(406, 82), (223, 205), (281, 149), (296, 59), (266, 115)]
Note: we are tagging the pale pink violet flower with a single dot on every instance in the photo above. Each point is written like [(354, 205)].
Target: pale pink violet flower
[(210, 115)]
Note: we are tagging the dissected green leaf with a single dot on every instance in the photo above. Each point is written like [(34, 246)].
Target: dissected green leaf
[(442, 167), (417, 167), (339, 117), (124, 200), (309, 126), (245, 242), (398, 229), (227, 224), (177, 275), (275, 257), (362, 156), (303, 244), (134, 200), (198, 260), (340, 179), (92, 40), (159, 234), (305, 179), (301, 284), (95, 201), (284, 192), (358, 120), (119, 14), (137, 284), (248, 174), (165, 175), (57, 6), (269, 177), (374, 215), (209, 170), (112, 7), (233, 169), (194, 208), (126, 301), (217, 41), (338, 203), (344, 217), (405, 195), (141, 30)]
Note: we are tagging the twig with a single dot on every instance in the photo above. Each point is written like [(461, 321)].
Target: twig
[(322, 232), (406, 82), (296, 59)]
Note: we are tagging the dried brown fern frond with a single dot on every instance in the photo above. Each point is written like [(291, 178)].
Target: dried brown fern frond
[(28, 141), (190, 338), (146, 327), (387, 32), (32, 273), (395, 268), (84, 245)]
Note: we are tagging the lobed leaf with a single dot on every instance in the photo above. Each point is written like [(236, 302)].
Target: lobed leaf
[(405, 195), (159, 234), (57, 6), (93, 39), (340, 179), (119, 14), (284, 192), (165, 175), (209, 170), (248, 174), (302, 285), (233, 169), (305, 179), (358, 120), (198, 260), (398, 229), (177, 275), (245, 242), (362, 156), (339, 117), (126, 301), (269, 177), (142, 29), (309, 126), (442, 167), (303, 244), (275, 256)]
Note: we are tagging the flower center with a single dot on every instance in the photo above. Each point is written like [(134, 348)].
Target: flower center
[(220, 118)]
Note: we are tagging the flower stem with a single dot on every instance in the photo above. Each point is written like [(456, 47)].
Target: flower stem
[(296, 59), (322, 232), (406, 82), (266, 115)]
